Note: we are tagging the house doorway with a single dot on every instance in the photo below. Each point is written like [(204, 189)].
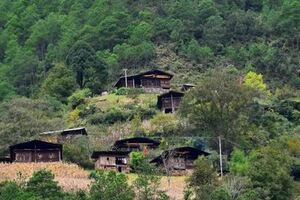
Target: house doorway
[(119, 169)]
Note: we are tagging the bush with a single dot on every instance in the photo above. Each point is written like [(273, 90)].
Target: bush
[(164, 124), (147, 187), (42, 184), (122, 91), (78, 152), (197, 53), (220, 194), (112, 116), (78, 97), (11, 191), (131, 92), (136, 161), (110, 185)]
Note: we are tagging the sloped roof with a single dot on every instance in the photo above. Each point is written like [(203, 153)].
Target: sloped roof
[(96, 154), (71, 131), (155, 71), (36, 144), (190, 152), (123, 142)]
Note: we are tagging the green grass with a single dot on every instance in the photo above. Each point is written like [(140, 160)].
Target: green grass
[(112, 100)]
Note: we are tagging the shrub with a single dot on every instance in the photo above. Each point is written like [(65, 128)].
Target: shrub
[(122, 91), (43, 185), (220, 194), (78, 97), (10, 191), (164, 124), (74, 115), (110, 185), (112, 116), (78, 152), (136, 161), (131, 92), (147, 187)]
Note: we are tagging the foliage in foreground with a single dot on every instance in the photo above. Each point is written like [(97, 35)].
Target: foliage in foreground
[(104, 186)]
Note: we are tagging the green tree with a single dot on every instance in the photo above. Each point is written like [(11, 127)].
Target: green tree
[(218, 106), (147, 188), (106, 185), (43, 185), (239, 162), (141, 33), (256, 81), (82, 59), (197, 53), (203, 180), (60, 83), (136, 161), (269, 173)]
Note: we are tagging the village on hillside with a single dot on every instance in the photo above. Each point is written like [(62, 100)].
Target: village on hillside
[(150, 100), (177, 161)]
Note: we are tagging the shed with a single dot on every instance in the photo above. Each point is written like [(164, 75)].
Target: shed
[(179, 160), (36, 151), (65, 134), (150, 81), (112, 160), (136, 144), (170, 101), (186, 87)]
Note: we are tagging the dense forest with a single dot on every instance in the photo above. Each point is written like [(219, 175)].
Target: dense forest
[(60, 58), (37, 37)]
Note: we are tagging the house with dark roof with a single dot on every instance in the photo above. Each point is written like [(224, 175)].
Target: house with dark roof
[(136, 144), (36, 151), (151, 81), (179, 160), (112, 160), (169, 101)]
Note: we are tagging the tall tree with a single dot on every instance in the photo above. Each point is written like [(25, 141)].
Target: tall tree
[(216, 105), (90, 71), (60, 83)]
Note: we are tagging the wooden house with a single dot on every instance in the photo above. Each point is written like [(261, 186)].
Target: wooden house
[(136, 144), (62, 136), (112, 160), (151, 81), (170, 101), (178, 161), (186, 87), (36, 151)]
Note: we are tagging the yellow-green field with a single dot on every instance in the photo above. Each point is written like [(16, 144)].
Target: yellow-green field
[(109, 101), (73, 178)]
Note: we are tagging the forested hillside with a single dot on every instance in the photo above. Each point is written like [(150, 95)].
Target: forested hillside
[(37, 37), (59, 60)]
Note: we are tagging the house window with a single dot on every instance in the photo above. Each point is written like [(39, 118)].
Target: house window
[(107, 158)]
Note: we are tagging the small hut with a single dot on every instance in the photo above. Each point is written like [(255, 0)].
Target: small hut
[(170, 101), (64, 135), (180, 160), (186, 87), (112, 160), (136, 144), (151, 81), (36, 151)]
